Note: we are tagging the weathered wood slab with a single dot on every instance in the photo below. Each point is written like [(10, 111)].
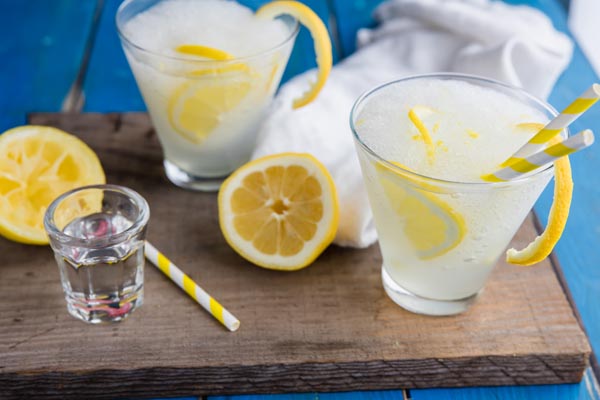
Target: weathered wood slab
[(329, 327)]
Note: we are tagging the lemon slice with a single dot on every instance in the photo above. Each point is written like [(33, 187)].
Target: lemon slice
[(320, 36), (543, 245), (431, 225), (197, 107), (279, 212), (37, 164)]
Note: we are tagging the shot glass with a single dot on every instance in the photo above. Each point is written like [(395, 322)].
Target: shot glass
[(206, 113), (439, 238), (97, 234)]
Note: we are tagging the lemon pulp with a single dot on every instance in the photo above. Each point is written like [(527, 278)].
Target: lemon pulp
[(37, 164), (279, 212)]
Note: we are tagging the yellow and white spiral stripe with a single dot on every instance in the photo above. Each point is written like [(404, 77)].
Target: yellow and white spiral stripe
[(560, 122), (191, 288), (542, 158)]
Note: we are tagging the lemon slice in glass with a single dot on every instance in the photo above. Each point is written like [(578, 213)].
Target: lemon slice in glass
[(197, 106), (279, 212), (431, 226), (37, 164)]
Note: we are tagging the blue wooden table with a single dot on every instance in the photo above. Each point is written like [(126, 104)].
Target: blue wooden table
[(65, 55)]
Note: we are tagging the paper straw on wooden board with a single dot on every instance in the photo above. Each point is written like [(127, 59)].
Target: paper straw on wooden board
[(191, 288)]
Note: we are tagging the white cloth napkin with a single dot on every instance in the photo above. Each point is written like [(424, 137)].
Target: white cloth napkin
[(514, 44)]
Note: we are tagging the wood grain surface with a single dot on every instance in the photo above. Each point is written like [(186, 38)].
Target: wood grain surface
[(329, 327)]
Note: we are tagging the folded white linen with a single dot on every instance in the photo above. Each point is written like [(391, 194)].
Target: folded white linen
[(514, 44)]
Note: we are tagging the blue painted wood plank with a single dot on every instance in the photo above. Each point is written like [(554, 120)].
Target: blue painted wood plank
[(41, 47), (363, 395), (550, 392), (351, 15), (110, 86)]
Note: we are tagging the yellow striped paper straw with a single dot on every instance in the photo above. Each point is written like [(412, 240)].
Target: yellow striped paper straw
[(542, 158), (191, 288), (554, 127)]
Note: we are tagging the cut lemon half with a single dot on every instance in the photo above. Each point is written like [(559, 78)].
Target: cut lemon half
[(543, 245), (431, 226), (318, 31), (279, 212), (37, 164)]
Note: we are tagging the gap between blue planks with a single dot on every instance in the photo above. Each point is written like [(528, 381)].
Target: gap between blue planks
[(109, 84), (41, 47)]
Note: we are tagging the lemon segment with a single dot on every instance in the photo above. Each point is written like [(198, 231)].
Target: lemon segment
[(543, 245), (279, 212), (431, 226), (37, 164), (318, 31)]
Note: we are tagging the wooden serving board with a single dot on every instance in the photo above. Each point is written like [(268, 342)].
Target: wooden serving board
[(329, 327)]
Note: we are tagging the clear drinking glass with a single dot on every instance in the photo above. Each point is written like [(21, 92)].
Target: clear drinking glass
[(442, 283), (228, 99), (97, 234)]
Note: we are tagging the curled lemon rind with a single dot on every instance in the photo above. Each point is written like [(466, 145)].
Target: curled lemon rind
[(318, 31)]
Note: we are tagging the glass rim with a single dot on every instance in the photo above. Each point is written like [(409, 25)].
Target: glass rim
[(445, 182), (124, 39), (140, 222)]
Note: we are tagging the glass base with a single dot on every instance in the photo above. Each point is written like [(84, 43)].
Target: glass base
[(100, 311), (422, 305), (188, 181)]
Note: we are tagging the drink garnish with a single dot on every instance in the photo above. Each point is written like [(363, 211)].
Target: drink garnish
[(431, 225), (543, 245), (204, 51), (472, 134), (318, 31), (558, 152), (422, 129), (197, 107)]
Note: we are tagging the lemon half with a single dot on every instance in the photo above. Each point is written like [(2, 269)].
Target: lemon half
[(279, 212), (38, 164)]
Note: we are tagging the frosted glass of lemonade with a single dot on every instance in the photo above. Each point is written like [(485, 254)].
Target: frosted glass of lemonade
[(423, 144), (207, 70)]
